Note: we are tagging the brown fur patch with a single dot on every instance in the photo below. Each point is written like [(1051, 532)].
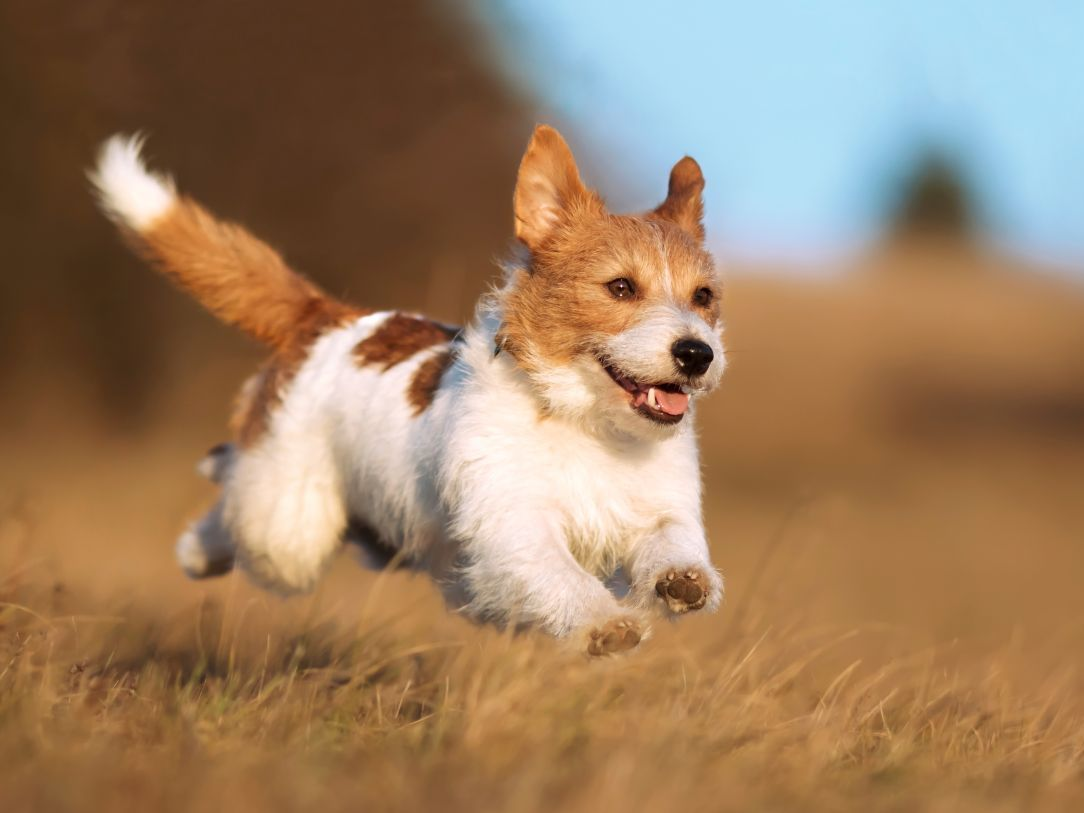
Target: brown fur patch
[(399, 338), (426, 381), (684, 205), (548, 187), (257, 399)]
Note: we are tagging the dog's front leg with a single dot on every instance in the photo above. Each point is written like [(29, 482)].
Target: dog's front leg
[(671, 569), (519, 571)]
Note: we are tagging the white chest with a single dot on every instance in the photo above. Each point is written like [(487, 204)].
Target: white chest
[(608, 498)]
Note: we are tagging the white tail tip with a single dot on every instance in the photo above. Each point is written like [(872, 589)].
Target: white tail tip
[(128, 193)]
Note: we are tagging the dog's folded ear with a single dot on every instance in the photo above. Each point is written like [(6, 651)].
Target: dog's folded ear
[(549, 191), (684, 205)]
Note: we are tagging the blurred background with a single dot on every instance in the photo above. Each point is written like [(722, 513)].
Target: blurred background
[(895, 193)]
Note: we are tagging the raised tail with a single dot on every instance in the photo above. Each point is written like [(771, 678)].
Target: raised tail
[(236, 276)]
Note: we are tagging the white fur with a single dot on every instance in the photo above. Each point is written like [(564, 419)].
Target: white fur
[(129, 193), (643, 350)]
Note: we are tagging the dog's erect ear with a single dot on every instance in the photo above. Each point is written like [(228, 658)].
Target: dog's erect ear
[(684, 205), (548, 188)]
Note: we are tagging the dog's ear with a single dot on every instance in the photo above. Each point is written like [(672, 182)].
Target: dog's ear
[(684, 205), (548, 188)]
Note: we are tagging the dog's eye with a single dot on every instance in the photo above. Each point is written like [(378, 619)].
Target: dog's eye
[(703, 297), (621, 288)]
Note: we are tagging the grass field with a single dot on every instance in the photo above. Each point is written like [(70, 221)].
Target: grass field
[(895, 493)]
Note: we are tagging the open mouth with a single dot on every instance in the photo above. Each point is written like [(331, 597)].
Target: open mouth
[(662, 403)]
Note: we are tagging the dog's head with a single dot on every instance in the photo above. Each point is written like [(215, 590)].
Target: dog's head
[(614, 317)]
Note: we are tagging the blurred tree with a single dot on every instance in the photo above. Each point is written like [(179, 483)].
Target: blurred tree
[(934, 201)]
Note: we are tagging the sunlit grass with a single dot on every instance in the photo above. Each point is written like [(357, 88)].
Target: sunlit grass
[(129, 707)]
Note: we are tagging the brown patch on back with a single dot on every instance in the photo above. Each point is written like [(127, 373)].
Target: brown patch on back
[(426, 381), (399, 338)]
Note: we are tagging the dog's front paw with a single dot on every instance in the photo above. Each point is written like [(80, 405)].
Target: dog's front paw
[(615, 635), (686, 589)]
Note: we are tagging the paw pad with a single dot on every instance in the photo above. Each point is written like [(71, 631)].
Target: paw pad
[(682, 591)]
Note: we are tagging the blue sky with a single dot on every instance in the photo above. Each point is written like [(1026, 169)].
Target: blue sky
[(803, 113)]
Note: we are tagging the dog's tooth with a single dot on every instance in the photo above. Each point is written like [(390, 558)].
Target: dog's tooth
[(651, 399)]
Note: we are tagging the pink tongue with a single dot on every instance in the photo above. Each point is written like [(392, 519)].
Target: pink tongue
[(672, 403)]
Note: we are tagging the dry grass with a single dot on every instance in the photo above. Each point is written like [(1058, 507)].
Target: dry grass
[(211, 708), (903, 624)]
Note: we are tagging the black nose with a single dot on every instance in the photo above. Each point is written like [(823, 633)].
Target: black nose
[(693, 357)]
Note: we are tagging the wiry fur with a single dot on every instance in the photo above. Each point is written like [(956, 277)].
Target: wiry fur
[(506, 460)]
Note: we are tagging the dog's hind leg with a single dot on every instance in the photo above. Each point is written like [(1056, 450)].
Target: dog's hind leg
[(206, 548), (284, 507)]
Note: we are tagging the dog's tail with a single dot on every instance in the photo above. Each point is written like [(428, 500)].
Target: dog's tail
[(236, 276)]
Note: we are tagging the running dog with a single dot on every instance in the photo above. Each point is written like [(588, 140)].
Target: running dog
[(520, 460)]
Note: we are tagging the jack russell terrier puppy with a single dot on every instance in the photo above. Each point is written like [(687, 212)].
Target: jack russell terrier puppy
[(521, 460)]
